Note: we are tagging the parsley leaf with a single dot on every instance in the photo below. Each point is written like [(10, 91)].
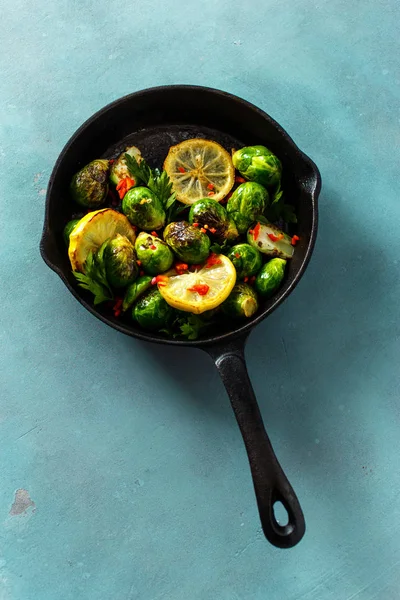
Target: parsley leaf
[(139, 171), (94, 279)]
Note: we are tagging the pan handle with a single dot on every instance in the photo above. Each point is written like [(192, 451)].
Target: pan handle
[(270, 482)]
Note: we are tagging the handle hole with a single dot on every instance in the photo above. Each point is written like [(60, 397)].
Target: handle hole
[(280, 514)]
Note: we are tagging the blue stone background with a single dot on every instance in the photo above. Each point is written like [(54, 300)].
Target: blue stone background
[(129, 452)]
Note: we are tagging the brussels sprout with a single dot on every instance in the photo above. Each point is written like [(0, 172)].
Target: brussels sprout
[(207, 212), (242, 302), (152, 312), (143, 209), (257, 163), (246, 259), (119, 261), (68, 229), (270, 240), (188, 242), (247, 202), (154, 254), (270, 277), (89, 186), (135, 290), (119, 170)]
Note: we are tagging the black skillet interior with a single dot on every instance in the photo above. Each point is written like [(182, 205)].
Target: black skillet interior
[(154, 120)]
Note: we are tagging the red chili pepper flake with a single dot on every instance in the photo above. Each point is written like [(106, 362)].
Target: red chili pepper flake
[(141, 273), (211, 194), (212, 260), (239, 179), (295, 239), (246, 279), (139, 262), (111, 161), (275, 238), (124, 185), (203, 230), (153, 247), (120, 184), (181, 170), (195, 224), (251, 231), (213, 230), (256, 231), (154, 234), (252, 280), (117, 306), (210, 186), (237, 255), (159, 280), (200, 288), (181, 268)]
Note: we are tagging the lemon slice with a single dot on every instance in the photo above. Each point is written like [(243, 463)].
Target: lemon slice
[(214, 281), (94, 229), (199, 168)]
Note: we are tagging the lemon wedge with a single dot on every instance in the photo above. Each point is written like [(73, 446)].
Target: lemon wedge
[(200, 288), (198, 169), (94, 229)]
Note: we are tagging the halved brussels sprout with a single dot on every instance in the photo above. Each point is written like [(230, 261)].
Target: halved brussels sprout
[(119, 169), (154, 254), (188, 242), (246, 259), (247, 202), (68, 230), (257, 163), (119, 261), (89, 187), (152, 312), (270, 277), (211, 215), (241, 303), (143, 209), (270, 240), (135, 290)]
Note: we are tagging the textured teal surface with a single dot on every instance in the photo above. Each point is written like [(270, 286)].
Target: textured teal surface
[(130, 452)]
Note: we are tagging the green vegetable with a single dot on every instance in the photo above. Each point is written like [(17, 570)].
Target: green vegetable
[(247, 202), (242, 302), (143, 209), (89, 187), (155, 255), (95, 280), (280, 245), (135, 290), (188, 242), (152, 312), (119, 261), (270, 277), (158, 183), (246, 259), (119, 169), (210, 213), (68, 230), (257, 163), (192, 326)]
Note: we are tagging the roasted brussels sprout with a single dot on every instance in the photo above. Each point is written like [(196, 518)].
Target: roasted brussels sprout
[(211, 215), (270, 240), (119, 170), (242, 302), (270, 277), (89, 187), (257, 163), (154, 254), (152, 312), (119, 261), (246, 259), (135, 290), (247, 202), (188, 242), (143, 209), (68, 229)]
